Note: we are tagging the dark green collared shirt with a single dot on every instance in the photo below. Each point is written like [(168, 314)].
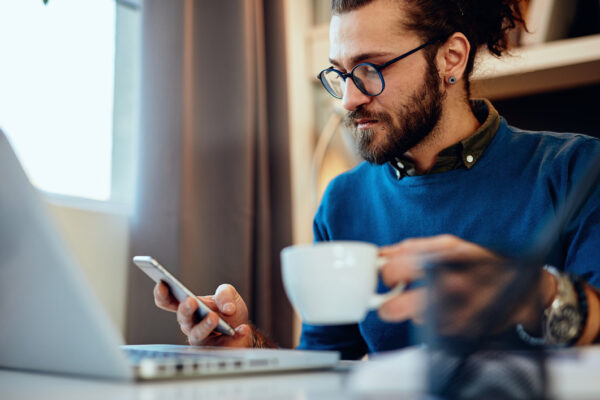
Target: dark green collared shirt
[(464, 153)]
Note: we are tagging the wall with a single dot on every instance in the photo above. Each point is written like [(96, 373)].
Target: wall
[(98, 236)]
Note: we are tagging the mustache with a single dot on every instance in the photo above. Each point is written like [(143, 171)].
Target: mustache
[(361, 113)]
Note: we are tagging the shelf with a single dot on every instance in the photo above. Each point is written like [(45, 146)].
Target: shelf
[(528, 70), (541, 68)]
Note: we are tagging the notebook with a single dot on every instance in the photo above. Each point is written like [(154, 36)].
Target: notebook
[(52, 322)]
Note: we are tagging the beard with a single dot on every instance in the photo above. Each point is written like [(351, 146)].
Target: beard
[(418, 117)]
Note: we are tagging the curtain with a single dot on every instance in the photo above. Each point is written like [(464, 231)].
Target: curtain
[(213, 200)]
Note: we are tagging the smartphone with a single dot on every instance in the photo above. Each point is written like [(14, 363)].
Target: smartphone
[(158, 273)]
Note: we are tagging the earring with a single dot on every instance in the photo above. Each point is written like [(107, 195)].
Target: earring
[(452, 80)]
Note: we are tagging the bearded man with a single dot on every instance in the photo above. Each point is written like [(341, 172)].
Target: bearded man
[(444, 176)]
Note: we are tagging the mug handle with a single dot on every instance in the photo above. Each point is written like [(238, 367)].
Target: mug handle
[(378, 299)]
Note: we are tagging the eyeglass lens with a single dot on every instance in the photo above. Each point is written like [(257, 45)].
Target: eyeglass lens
[(365, 77)]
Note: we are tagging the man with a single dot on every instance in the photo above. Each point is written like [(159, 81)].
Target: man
[(445, 177)]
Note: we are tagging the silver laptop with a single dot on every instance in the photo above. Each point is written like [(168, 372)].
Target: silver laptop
[(50, 320)]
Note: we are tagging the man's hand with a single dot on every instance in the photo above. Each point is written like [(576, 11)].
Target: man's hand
[(460, 293), (226, 303)]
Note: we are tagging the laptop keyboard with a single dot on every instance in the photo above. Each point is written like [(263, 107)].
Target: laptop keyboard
[(155, 363), (137, 354)]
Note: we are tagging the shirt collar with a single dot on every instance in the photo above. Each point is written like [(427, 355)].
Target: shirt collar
[(465, 153)]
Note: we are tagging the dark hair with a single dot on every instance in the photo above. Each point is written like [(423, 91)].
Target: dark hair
[(485, 23)]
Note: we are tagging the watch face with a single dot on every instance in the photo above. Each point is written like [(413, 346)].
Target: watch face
[(563, 325)]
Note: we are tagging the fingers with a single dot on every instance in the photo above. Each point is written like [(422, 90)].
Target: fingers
[(243, 337), (448, 247), (408, 305), (399, 269), (231, 305), (186, 315), (404, 264), (209, 301), (406, 259), (244, 330), (163, 298), (421, 246), (225, 299), (198, 333), (227, 304), (202, 334), (188, 318)]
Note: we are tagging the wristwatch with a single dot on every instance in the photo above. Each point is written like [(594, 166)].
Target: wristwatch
[(563, 320)]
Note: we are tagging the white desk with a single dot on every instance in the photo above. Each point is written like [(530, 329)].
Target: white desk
[(573, 375), (288, 386)]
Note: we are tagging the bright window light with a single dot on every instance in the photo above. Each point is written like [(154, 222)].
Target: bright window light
[(56, 92)]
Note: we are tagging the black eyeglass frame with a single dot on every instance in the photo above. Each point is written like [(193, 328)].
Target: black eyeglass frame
[(377, 68)]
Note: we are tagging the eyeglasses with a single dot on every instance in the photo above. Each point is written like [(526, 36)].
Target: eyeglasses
[(366, 76)]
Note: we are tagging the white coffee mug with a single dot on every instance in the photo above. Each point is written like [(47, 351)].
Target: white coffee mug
[(333, 282)]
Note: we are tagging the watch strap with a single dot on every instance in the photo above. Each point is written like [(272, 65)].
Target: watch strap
[(570, 288), (591, 328), (582, 303)]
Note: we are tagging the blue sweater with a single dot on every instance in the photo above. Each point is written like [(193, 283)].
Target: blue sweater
[(500, 203)]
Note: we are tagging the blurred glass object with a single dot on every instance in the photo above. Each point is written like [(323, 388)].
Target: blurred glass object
[(474, 351), (490, 375)]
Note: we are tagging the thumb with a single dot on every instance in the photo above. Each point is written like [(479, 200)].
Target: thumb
[(226, 299)]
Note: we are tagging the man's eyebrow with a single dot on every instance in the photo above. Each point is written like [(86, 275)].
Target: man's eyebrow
[(359, 58)]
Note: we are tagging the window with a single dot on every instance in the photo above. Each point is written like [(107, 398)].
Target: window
[(69, 94)]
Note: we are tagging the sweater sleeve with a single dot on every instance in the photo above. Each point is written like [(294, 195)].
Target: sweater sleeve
[(582, 235), (343, 338)]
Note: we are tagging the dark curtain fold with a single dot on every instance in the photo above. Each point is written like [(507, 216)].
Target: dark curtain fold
[(213, 197)]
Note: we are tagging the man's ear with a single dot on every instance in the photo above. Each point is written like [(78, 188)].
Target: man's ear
[(452, 57)]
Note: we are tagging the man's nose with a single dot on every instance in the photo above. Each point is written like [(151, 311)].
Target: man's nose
[(353, 98)]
